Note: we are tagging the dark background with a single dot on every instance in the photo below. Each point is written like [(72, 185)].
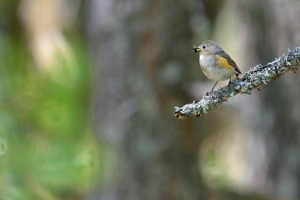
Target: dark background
[(88, 89)]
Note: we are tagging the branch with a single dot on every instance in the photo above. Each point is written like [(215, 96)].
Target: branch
[(255, 77)]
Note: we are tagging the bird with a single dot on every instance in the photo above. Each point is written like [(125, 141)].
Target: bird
[(215, 63)]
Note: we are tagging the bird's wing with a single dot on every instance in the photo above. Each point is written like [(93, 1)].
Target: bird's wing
[(225, 59)]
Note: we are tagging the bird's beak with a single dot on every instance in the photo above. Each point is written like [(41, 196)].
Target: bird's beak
[(196, 49)]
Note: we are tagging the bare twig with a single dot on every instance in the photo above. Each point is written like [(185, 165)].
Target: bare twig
[(255, 77)]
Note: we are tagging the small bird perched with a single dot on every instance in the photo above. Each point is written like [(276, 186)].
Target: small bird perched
[(215, 63)]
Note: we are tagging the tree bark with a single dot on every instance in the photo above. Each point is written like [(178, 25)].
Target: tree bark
[(255, 77), (136, 53)]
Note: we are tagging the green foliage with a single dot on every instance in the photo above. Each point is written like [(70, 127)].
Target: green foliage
[(213, 171), (47, 150)]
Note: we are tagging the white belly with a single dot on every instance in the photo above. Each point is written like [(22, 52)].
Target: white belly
[(213, 72)]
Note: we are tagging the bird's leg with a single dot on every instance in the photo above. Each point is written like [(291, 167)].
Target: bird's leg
[(214, 86), (230, 85)]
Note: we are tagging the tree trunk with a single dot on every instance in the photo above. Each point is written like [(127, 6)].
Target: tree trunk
[(140, 55)]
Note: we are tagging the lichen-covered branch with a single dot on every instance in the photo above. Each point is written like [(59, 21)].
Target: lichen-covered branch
[(256, 76)]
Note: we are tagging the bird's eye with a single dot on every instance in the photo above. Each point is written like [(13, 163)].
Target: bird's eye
[(203, 47)]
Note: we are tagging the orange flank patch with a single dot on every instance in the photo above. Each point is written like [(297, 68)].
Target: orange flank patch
[(222, 62)]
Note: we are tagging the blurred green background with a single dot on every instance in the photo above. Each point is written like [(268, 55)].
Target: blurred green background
[(88, 89)]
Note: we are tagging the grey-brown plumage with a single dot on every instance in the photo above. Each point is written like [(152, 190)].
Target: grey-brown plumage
[(215, 63)]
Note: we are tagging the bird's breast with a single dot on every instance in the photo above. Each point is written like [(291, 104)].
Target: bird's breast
[(207, 61), (213, 71)]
